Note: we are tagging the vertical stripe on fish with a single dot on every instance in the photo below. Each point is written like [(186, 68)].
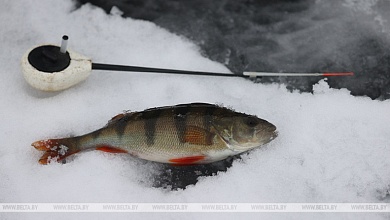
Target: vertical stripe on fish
[(150, 118), (180, 119)]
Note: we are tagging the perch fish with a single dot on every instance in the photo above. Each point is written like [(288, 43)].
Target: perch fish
[(185, 134)]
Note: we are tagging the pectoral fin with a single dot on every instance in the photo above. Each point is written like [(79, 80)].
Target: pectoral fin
[(198, 136)]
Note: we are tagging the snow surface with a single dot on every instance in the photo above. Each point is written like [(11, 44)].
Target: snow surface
[(332, 147)]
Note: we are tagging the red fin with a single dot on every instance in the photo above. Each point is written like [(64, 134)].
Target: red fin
[(199, 136), (187, 160), (56, 149), (111, 149)]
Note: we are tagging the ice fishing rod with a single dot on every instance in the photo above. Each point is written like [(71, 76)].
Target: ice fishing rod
[(54, 68)]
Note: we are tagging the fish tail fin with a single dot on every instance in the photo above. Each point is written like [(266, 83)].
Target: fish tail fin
[(55, 149)]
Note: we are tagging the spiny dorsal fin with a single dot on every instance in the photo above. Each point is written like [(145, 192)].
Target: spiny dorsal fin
[(192, 105)]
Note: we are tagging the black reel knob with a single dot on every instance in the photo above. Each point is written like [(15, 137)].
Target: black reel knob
[(49, 59)]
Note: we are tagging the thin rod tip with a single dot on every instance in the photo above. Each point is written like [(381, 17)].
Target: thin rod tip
[(339, 74)]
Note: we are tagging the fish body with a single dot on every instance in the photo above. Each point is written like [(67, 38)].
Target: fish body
[(185, 134)]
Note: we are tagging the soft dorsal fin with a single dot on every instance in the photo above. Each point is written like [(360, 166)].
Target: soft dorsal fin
[(119, 117)]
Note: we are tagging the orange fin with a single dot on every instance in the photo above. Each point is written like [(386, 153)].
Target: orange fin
[(187, 160), (197, 135), (56, 149), (110, 149)]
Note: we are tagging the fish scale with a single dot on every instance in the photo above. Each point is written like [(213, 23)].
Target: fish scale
[(184, 134)]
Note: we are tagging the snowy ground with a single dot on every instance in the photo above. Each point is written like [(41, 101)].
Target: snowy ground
[(332, 147)]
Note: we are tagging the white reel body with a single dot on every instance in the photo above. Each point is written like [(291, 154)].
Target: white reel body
[(78, 70)]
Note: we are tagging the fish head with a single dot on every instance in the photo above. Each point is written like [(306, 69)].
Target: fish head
[(244, 132)]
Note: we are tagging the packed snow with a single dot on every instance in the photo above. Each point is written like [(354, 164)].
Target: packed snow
[(332, 147)]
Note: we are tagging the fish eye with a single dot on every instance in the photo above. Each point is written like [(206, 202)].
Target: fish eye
[(251, 121)]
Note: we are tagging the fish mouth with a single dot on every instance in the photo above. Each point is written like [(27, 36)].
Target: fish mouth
[(254, 143), (267, 135), (274, 135), (274, 132)]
